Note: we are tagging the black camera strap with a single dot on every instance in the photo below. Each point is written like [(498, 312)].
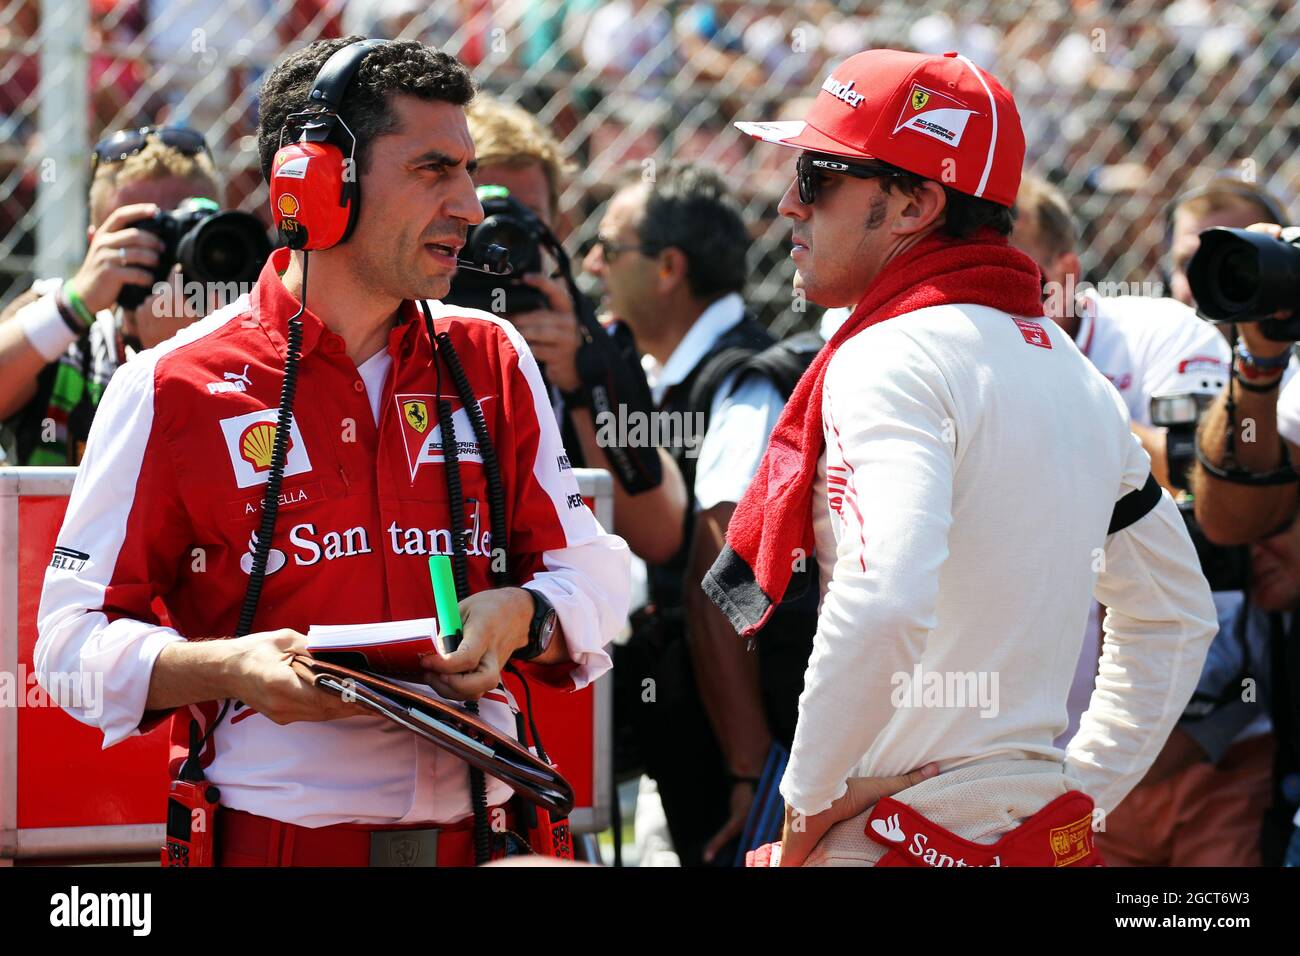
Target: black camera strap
[(1229, 470), (609, 381)]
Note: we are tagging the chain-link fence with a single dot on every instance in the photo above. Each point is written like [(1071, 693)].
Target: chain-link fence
[(1124, 103)]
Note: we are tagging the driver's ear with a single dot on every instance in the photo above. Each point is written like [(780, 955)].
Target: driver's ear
[(925, 207)]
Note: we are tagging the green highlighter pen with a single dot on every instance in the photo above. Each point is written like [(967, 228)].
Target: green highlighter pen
[(444, 597)]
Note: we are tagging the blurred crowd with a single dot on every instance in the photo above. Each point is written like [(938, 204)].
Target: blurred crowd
[(1118, 100), (585, 91)]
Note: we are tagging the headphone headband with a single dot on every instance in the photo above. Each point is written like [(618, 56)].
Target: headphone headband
[(333, 79), (315, 195)]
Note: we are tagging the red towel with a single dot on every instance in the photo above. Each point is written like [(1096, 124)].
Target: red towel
[(756, 567)]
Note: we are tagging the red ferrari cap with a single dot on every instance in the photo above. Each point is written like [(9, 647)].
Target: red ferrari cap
[(941, 117)]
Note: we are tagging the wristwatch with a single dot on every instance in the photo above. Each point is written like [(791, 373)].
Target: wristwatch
[(541, 629)]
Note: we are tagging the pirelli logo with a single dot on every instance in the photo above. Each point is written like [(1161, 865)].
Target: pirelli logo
[(69, 559)]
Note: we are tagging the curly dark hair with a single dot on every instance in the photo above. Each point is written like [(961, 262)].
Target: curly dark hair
[(689, 207), (400, 66)]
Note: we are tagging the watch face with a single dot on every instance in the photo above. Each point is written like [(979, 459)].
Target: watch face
[(548, 628)]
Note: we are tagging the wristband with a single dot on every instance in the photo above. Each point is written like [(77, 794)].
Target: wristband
[(46, 328), (78, 306), (1254, 386), (1272, 363), (66, 314)]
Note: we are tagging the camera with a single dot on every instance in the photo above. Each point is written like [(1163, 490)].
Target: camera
[(1179, 412), (211, 245), (1241, 276), (510, 224)]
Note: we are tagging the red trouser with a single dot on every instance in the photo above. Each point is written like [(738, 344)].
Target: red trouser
[(244, 839), (1060, 834)]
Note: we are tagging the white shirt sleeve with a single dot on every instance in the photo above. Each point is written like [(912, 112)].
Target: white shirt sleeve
[(94, 622), (1288, 405), (1158, 627), (891, 410), (588, 579), (739, 426)]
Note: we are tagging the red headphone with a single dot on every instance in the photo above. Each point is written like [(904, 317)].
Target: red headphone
[(315, 194)]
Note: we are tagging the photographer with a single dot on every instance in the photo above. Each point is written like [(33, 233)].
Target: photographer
[(60, 342), (1245, 486), (518, 153), (1240, 512)]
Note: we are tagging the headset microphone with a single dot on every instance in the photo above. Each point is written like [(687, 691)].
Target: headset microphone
[(493, 260)]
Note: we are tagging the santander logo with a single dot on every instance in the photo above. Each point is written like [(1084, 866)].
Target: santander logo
[(843, 91)]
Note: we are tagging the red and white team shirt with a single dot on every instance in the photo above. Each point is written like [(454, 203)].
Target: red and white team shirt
[(169, 496), (1146, 346)]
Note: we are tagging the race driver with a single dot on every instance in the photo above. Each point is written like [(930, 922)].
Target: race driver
[(168, 498), (957, 463)]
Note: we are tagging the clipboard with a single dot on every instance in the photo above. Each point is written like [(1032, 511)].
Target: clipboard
[(461, 734)]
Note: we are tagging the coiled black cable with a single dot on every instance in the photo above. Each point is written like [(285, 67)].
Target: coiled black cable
[(459, 560)]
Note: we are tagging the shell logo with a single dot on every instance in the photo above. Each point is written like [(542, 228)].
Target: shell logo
[(257, 443), (288, 205)]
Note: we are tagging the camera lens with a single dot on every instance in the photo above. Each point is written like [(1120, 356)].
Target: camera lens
[(1239, 275), (226, 247)]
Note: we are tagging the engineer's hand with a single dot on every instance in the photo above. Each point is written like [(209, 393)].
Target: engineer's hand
[(494, 626), (260, 675), (552, 333), (120, 254), (802, 834)]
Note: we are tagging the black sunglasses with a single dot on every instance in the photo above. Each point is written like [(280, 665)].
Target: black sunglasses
[(128, 142), (611, 249), (809, 170)]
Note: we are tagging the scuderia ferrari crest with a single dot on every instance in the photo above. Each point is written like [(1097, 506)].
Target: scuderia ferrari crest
[(422, 433), (934, 114), (416, 413)]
